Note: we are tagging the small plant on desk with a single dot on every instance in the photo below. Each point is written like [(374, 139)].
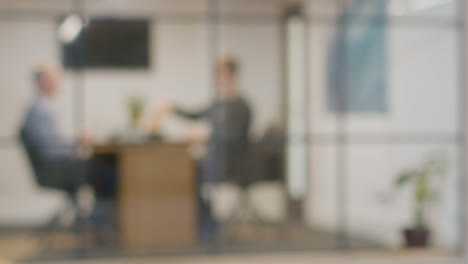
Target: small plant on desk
[(135, 110)]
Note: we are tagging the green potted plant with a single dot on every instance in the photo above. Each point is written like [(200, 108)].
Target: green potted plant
[(423, 180), (135, 110)]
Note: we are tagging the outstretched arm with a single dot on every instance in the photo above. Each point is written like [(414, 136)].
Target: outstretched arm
[(190, 114)]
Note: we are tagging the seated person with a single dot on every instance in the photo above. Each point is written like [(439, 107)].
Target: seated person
[(54, 162), (54, 159), (229, 117)]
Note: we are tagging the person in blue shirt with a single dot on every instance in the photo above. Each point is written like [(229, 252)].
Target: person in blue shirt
[(54, 159)]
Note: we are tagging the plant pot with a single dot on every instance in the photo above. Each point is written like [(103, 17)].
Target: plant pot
[(416, 237)]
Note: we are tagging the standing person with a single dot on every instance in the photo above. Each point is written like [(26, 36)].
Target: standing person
[(229, 117)]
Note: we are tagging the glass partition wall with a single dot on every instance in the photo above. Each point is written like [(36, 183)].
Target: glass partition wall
[(367, 60), (312, 114)]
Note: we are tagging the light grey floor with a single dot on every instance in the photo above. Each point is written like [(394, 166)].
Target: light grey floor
[(405, 257), (235, 240)]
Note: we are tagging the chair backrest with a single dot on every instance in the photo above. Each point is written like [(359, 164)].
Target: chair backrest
[(241, 167), (271, 151), (33, 155)]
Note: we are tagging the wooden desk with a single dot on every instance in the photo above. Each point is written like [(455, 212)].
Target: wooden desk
[(157, 201)]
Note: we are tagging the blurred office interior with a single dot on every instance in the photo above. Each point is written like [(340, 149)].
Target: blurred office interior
[(344, 97)]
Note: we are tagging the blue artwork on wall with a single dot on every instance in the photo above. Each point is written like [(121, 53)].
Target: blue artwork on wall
[(357, 63)]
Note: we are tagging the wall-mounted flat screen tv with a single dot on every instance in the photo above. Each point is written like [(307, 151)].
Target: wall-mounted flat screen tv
[(109, 43)]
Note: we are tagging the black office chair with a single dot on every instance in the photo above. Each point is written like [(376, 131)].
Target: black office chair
[(244, 171), (38, 167), (261, 162)]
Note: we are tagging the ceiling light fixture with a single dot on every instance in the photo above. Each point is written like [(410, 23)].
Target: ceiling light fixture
[(70, 28)]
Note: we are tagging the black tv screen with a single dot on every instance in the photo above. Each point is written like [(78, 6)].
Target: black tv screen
[(109, 43)]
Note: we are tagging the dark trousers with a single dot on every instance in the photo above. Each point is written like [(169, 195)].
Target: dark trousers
[(103, 178), (70, 174), (208, 226), (100, 172), (64, 173)]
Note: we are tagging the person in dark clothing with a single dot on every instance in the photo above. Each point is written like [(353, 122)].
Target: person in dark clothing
[(229, 117), (230, 123)]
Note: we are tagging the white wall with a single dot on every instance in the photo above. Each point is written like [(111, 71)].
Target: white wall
[(179, 72), (422, 99)]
